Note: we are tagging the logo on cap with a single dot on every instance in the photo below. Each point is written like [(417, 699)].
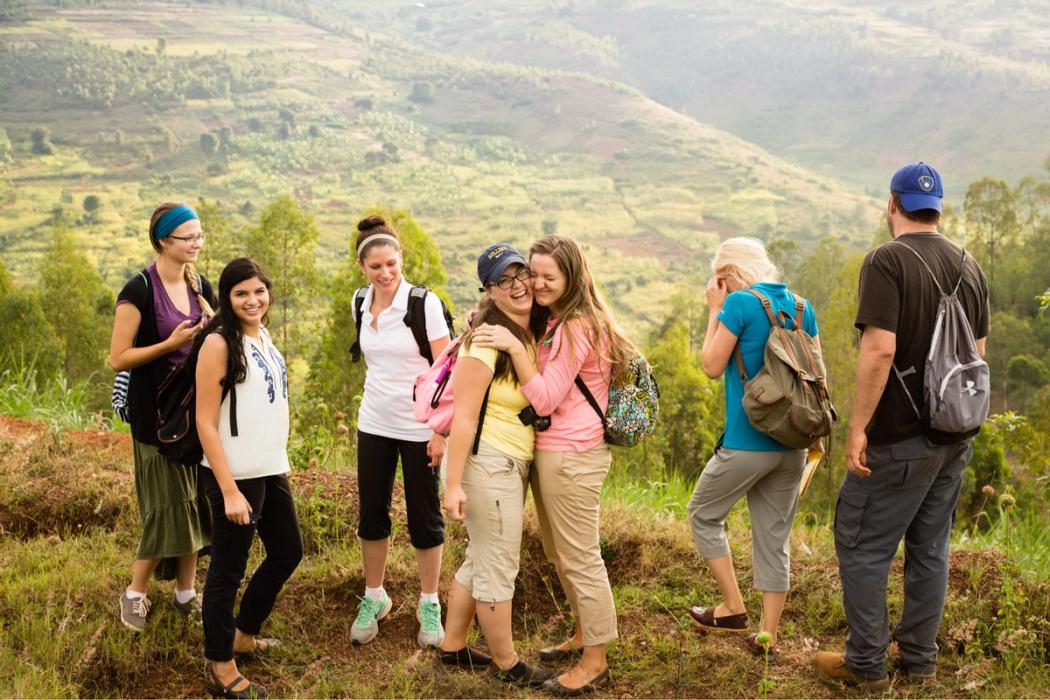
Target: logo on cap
[(497, 252), (926, 183)]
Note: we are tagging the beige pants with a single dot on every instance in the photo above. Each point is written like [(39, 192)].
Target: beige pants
[(567, 487), (495, 487)]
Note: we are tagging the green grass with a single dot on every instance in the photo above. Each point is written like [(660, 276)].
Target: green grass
[(24, 393), (60, 637)]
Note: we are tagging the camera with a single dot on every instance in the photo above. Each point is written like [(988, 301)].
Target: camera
[(528, 416)]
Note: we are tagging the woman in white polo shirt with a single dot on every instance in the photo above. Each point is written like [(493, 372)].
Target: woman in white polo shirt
[(387, 429)]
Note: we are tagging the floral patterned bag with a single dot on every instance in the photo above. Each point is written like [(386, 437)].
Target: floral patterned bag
[(634, 403)]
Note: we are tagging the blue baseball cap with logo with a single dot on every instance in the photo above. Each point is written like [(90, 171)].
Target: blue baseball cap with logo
[(494, 261), (919, 186)]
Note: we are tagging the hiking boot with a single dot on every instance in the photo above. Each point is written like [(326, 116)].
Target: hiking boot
[(191, 608), (134, 611), (431, 633), (831, 666), (523, 675), (369, 613)]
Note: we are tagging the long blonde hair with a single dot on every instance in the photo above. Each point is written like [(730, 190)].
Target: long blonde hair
[(745, 260), (582, 301)]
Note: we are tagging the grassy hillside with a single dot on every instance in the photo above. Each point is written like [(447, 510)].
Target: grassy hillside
[(346, 116), (68, 534), (849, 89)]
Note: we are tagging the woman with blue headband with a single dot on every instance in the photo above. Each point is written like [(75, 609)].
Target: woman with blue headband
[(159, 312)]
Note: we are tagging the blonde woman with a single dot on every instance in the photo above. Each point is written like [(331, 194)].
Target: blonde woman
[(745, 462), (572, 459), (159, 313)]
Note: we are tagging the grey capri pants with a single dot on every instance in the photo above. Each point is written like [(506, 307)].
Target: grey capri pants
[(771, 482)]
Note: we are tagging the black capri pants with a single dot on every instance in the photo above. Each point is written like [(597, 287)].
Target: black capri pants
[(376, 467)]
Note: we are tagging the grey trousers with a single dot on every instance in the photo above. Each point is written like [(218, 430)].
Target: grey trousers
[(771, 481), (911, 494)]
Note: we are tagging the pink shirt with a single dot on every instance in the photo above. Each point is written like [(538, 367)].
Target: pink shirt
[(575, 426)]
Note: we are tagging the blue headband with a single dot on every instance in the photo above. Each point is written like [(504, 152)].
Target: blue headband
[(172, 219)]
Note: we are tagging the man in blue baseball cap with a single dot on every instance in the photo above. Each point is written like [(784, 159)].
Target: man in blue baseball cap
[(904, 477)]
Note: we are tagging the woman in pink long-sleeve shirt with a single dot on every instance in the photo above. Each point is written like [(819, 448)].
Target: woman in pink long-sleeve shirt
[(572, 459)]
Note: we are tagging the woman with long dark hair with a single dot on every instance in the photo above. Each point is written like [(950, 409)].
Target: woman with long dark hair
[(159, 312), (242, 421), (490, 451)]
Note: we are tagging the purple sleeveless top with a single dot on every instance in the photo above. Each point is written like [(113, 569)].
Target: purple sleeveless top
[(168, 317)]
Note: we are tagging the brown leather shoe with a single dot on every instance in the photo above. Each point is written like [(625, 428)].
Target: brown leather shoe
[(831, 665), (751, 642), (705, 617)]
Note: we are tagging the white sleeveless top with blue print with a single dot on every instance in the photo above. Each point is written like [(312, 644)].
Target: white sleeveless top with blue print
[(260, 448)]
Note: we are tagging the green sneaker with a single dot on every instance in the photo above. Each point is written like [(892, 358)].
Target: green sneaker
[(431, 633), (369, 613)]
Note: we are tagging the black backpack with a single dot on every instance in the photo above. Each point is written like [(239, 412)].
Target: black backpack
[(415, 319), (177, 410)]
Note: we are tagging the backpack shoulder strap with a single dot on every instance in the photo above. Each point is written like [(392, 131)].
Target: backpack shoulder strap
[(767, 305), (416, 320), (962, 272), (359, 303), (481, 421), (590, 399), (145, 278), (800, 309)]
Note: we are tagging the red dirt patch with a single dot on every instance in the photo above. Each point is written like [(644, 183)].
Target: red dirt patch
[(651, 244)]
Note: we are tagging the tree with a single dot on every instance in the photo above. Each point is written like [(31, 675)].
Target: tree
[(422, 93), (208, 143), (550, 227), (284, 243), (991, 220), (92, 203), (222, 243), (41, 138), (5, 146), (691, 414), (78, 305), (28, 339), (162, 44), (335, 383)]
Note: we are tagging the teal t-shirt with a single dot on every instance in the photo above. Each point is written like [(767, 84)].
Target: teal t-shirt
[(745, 318)]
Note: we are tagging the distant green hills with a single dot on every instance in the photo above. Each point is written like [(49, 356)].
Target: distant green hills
[(846, 88), (144, 102)]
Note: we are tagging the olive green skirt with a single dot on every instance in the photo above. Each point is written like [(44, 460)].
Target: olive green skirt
[(175, 515)]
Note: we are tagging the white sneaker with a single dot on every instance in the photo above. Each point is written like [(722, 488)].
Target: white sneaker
[(369, 613), (431, 633)]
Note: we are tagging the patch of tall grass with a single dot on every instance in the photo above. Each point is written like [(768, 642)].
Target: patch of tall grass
[(667, 496), (1024, 537), (27, 392)]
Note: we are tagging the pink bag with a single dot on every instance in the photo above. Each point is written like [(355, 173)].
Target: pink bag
[(432, 394)]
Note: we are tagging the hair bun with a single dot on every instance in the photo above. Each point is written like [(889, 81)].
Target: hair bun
[(371, 222)]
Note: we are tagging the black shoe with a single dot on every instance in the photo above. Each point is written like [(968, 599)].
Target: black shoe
[(556, 654), (524, 675), (558, 690), (216, 689), (465, 658)]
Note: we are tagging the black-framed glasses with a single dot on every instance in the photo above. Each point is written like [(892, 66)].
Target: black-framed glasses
[(508, 282), (199, 238)]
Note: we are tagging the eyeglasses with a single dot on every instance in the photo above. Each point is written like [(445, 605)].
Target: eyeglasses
[(508, 282), (199, 238)]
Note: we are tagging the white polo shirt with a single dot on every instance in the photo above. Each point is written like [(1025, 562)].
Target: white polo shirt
[(393, 361)]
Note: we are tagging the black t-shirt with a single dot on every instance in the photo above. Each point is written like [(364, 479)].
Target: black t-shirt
[(898, 294)]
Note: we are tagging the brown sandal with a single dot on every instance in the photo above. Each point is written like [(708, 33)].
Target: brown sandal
[(751, 642), (705, 617)]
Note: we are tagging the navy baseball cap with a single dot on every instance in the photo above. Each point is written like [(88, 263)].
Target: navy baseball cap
[(494, 261), (919, 186)]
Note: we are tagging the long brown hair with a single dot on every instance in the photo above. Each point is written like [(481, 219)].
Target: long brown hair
[(582, 302), (188, 270)]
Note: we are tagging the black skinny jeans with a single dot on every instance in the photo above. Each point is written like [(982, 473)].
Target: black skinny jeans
[(271, 498)]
